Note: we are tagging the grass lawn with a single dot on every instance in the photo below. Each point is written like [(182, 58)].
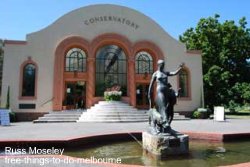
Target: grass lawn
[(244, 114), (238, 116)]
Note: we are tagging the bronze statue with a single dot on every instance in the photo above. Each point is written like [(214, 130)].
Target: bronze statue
[(165, 99)]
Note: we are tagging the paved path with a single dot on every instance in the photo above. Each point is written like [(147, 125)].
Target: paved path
[(50, 131)]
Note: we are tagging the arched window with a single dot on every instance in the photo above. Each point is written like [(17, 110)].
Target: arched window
[(29, 80), (144, 63), (75, 60), (184, 83), (111, 69)]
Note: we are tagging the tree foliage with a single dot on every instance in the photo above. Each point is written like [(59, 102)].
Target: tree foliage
[(225, 58)]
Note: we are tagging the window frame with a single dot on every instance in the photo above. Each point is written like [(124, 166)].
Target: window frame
[(23, 65), (121, 61), (188, 84), (150, 62), (68, 56)]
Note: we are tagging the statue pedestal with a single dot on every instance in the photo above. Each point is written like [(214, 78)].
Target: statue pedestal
[(164, 144)]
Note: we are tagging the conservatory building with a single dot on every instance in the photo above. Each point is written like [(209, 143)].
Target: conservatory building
[(73, 61)]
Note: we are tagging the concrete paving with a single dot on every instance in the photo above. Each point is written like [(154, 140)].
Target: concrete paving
[(53, 131)]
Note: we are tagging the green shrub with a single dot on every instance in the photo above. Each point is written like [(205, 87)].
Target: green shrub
[(196, 114), (236, 108), (245, 108), (201, 113)]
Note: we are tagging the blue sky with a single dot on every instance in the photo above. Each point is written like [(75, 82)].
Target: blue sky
[(20, 17)]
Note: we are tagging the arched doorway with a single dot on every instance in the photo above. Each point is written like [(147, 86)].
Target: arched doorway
[(111, 69), (144, 66), (70, 72), (75, 87)]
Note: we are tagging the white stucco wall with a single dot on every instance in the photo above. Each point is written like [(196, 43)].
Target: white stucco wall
[(41, 47)]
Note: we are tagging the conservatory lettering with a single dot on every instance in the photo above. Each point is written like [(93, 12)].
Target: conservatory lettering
[(116, 19)]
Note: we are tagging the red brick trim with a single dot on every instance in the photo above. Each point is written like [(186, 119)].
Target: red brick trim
[(189, 97), (114, 39), (14, 42), (59, 62), (29, 61), (205, 136), (151, 48), (81, 140), (72, 141)]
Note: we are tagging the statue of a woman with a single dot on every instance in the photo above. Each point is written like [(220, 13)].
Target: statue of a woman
[(162, 93)]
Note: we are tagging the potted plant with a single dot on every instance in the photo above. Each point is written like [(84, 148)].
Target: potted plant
[(112, 95)]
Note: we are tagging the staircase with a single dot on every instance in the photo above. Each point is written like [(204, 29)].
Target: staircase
[(117, 111), (61, 116), (104, 111), (177, 116), (113, 111)]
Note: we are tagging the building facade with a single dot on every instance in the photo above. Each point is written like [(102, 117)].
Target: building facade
[(70, 63)]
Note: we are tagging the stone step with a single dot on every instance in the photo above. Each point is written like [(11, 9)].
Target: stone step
[(108, 116), (109, 105), (115, 120), (67, 112), (117, 112), (96, 117), (101, 112), (52, 121), (62, 115), (113, 117), (176, 119), (113, 110), (121, 115), (120, 120), (59, 118)]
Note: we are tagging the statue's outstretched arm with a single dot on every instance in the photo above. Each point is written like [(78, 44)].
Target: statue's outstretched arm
[(150, 89), (177, 71)]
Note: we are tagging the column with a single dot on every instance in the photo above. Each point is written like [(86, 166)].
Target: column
[(131, 81), (90, 92)]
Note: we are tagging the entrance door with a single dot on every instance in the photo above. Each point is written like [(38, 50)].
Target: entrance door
[(75, 96), (142, 96)]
